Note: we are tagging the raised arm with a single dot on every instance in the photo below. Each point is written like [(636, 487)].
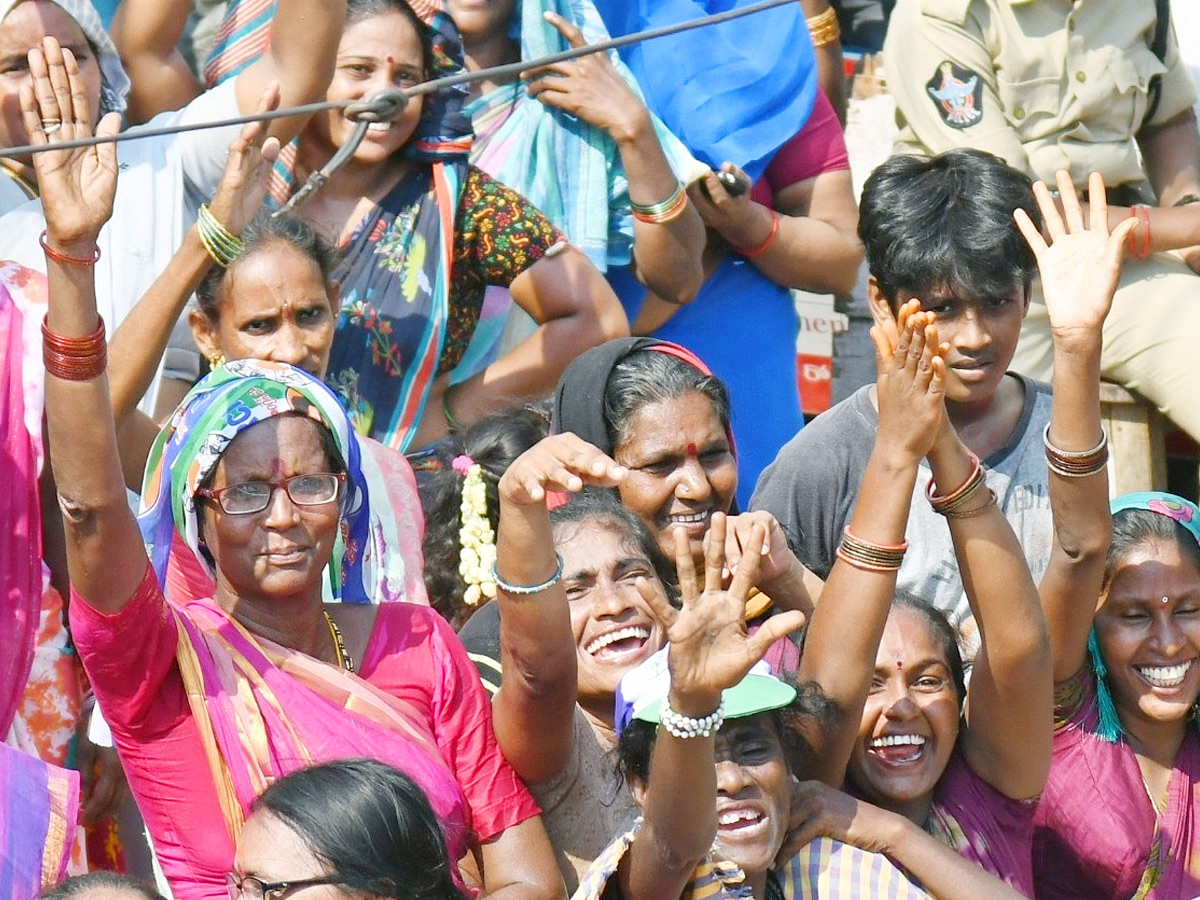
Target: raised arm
[(147, 34), (304, 39), (847, 626), (709, 651), (141, 339), (1079, 267), (1007, 737), (105, 555), (666, 256), (533, 712)]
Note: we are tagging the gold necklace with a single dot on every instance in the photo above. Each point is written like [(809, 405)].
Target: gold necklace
[(344, 659)]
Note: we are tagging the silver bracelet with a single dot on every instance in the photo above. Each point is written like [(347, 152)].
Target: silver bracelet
[(687, 727), (518, 590)]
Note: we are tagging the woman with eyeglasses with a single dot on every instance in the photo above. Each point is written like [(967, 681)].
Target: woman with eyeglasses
[(355, 828), (260, 472)]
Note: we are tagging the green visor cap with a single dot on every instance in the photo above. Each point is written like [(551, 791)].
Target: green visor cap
[(752, 695)]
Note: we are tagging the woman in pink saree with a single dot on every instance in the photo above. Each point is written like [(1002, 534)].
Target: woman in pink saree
[(261, 475)]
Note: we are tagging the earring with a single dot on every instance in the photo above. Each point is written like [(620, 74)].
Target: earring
[(216, 361)]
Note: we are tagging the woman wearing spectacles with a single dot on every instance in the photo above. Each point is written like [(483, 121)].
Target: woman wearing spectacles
[(261, 475), (355, 828)]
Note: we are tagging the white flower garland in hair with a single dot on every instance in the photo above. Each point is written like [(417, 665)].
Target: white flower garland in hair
[(476, 539)]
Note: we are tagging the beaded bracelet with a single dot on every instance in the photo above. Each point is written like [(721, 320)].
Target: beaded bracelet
[(770, 239), (1076, 463), (222, 244), (68, 260), (868, 555), (665, 211), (944, 503), (75, 359), (685, 727), (823, 28), (518, 590)]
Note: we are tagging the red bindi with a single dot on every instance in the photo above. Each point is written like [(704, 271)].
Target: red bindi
[(287, 311), (899, 664), (691, 449)]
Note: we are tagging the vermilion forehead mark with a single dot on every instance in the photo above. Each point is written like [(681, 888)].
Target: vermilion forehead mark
[(691, 449), (287, 311)]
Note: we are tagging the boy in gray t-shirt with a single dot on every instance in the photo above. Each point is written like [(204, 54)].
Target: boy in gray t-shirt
[(940, 230)]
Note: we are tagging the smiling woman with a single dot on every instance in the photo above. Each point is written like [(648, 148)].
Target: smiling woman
[(1130, 714)]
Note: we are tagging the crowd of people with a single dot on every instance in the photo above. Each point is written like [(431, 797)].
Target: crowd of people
[(453, 530)]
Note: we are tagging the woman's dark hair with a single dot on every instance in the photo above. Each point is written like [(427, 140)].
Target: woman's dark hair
[(99, 884), (604, 506), (363, 9), (261, 233), (943, 631), (946, 222), (494, 442), (1134, 527), (651, 376), (369, 823)]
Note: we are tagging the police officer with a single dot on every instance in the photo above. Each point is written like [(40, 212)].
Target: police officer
[(1087, 86)]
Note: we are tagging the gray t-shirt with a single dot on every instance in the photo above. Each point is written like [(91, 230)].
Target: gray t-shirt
[(812, 487)]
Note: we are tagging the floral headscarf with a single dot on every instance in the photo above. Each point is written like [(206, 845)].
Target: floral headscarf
[(1186, 514), (114, 83), (225, 403)]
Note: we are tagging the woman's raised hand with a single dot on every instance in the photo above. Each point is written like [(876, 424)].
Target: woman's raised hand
[(911, 383), (1081, 263), (77, 186), (710, 647), (247, 170), (590, 88), (561, 462)]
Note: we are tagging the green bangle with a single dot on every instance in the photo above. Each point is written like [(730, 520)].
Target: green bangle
[(518, 590), (451, 421), (657, 209), (222, 245)]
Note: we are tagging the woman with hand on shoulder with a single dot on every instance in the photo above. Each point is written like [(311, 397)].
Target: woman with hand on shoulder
[(259, 472)]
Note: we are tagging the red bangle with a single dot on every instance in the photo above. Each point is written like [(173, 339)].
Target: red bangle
[(75, 359), (754, 251), (68, 260), (1141, 212)]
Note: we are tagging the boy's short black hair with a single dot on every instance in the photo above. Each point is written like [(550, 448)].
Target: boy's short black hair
[(946, 222)]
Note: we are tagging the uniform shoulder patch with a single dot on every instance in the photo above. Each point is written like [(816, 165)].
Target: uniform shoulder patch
[(957, 93)]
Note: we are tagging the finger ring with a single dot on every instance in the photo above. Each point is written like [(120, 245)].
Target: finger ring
[(50, 128)]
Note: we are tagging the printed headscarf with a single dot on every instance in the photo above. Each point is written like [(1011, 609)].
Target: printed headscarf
[(1187, 514), (114, 83), (225, 403)]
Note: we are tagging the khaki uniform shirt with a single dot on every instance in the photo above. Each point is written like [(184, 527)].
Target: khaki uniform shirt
[(1043, 84)]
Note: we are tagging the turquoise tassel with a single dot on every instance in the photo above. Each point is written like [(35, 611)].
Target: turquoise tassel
[(1109, 728)]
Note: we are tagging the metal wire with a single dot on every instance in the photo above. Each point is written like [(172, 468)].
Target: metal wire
[(388, 104)]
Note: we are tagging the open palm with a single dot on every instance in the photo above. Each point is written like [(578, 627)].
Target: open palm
[(1081, 263)]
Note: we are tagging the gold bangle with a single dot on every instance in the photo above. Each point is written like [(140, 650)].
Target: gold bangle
[(223, 246), (824, 28)]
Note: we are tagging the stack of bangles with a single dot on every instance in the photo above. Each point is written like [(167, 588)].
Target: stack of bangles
[(75, 359), (870, 556), (823, 28), (951, 505), (1076, 463), (1141, 212), (664, 212), (222, 244)]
